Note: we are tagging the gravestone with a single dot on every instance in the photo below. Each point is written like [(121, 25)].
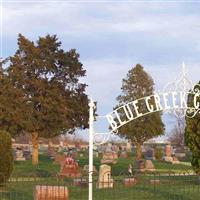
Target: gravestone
[(27, 154), (69, 168), (100, 149), (80, 182), (43, 192), (140, 165), (149, 166), (115, 155), (129, 181), (128, 147), (51, 152), (19, 155), (108, 148), (149, 154), (61, 144), (105, 180), (110, 145), (175, 160), (115, 148), (124, 147), (96, 153), (109, 157), (168, 150), (86, 168), (168, 157), (180, 153), (123, 154)]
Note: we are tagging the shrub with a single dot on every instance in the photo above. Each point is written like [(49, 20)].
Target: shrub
[(158, 152), (6, 157)]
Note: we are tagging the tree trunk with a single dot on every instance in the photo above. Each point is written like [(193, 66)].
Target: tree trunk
[(35, 141), (138, 151)]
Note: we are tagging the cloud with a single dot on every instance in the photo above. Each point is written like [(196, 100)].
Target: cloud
[(113, 37), (105, 30), (100, 18)]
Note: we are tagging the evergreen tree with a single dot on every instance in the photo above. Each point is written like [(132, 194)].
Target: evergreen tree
[(192, 133), (139, 84), (48, 78), (12, 104)]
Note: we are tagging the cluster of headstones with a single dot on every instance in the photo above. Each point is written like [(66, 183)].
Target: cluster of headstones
[(110, 154), (170, 156), (69, 151), (21, 153)]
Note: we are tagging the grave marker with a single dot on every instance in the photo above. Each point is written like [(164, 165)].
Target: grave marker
[(105, 180)]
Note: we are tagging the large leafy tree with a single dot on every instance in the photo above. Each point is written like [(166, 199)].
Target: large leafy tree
[(48, 79), (192, 133), (12, 104), (138, 84)]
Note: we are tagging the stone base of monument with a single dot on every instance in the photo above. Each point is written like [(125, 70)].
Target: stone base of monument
[(20, 159), (129, 182), (168, 159), (51, 192), (108, 184), (149, 166)]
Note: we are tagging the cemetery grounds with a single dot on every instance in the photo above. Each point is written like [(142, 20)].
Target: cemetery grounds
[(168, 182)]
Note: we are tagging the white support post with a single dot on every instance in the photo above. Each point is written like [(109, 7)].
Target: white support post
[(91, 132)]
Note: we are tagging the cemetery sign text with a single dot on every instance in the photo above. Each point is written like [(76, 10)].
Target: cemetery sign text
[(166, 101)]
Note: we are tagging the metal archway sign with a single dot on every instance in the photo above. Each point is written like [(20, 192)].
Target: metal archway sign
[(171, 101)]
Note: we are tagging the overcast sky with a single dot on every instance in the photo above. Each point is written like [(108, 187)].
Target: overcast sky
[(111, 38)]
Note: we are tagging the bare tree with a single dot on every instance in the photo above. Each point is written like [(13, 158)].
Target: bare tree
[(177, 134)]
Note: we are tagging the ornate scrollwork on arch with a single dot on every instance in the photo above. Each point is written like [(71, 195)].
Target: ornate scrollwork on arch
[(192, 111)]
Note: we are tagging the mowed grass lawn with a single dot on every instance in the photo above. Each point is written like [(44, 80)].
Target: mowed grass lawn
[(46, 167), (174, 187)]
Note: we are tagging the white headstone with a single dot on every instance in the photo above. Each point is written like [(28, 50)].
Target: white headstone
[(105, 180)]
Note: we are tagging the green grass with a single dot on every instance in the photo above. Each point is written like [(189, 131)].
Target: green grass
[(172, 188), (46, 166), (25, 168), (163, 167)]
